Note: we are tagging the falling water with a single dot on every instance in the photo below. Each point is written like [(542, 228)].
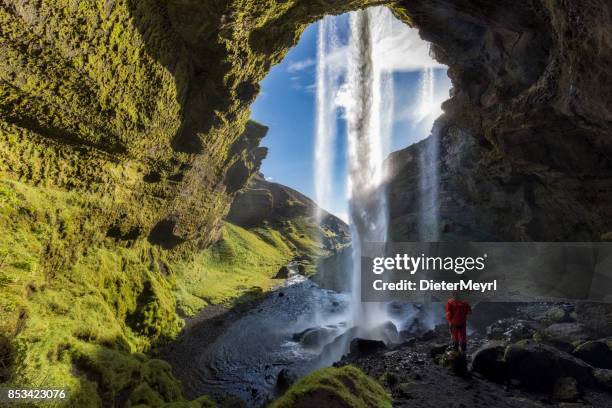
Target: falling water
[(328, 74), (358, 78), (429, 207), (367, 199)]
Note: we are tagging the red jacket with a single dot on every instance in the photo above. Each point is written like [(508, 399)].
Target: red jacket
[(457, 311)]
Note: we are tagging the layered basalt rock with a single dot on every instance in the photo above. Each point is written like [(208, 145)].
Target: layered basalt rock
[(525, 151)]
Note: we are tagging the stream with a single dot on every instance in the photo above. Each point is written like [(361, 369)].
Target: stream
[(298, 328)]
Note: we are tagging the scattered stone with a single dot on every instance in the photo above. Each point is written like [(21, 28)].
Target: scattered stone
[(511, 330), (566, 389), (364, 347), (596, 352), (488, 360)]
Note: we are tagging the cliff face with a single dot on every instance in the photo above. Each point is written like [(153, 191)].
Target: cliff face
[(525, 147)]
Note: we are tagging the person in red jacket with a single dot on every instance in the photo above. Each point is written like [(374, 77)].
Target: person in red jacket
[(456, 316)]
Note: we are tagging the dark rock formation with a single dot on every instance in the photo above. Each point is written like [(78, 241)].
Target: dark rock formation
[(539, 366), (488, 361), (363, 347), (525, 147), (597, 353)]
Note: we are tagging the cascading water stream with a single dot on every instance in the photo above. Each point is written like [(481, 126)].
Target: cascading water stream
[(429, 206), (367, 199), (327, 85)]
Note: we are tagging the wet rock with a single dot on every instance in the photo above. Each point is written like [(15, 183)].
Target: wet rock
[(538, 365), (285, 379), (489, 361), (597, 353), (283, 273), (388, 332), (603, 378), (315, 336), (301, 268), (363, 347), (455, 361), (566, 389)]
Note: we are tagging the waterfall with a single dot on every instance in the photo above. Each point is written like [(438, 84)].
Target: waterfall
[(354, 76), (366, 139), (327, 85), (429, 207)]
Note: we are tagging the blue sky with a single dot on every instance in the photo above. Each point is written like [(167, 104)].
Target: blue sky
[(286, 104)]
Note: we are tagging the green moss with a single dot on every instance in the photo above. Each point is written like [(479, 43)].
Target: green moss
[(241, 264), (347, 385)]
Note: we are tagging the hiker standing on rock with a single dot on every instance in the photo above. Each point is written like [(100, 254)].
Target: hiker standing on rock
[(456, 315)]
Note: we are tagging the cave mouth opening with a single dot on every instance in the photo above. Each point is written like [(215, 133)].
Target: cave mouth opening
[(410, 83)]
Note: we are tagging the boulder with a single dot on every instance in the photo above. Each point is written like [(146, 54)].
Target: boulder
[(363, 347), (388, 332), (315, 336), (597, 353), (488, 360), (566, 389), (538, 366), (283, 273), (603, 378), (455, 361)]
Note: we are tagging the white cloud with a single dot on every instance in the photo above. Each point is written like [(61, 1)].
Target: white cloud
[(296, 66)]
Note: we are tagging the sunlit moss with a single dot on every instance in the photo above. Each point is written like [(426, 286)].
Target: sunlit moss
[(345, 386)]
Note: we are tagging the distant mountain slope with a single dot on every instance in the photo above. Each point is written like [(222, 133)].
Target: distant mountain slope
[(263, 203)]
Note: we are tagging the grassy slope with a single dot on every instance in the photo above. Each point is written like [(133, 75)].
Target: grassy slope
[(345, 386), (79, 310)]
